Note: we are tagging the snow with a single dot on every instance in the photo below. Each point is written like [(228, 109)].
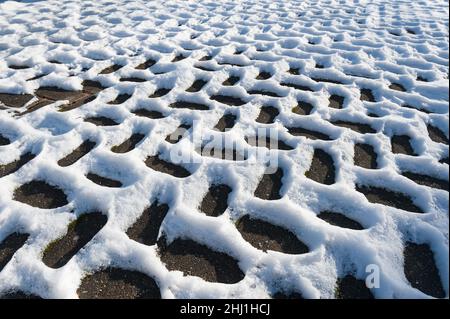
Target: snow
[(97, 34)]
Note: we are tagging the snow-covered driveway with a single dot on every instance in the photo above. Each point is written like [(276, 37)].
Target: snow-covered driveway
[(355, 184)]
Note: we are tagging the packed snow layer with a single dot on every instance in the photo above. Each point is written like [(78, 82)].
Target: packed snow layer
[(363, 44)]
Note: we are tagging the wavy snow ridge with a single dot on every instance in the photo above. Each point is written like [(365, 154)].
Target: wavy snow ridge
[(354, 40)]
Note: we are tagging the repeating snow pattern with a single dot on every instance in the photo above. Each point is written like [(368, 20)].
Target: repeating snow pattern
[(91, 92)]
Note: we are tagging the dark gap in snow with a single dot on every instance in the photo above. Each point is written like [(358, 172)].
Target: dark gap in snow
[(18, 67), (101, 121), (79, 233), (327, 80), (367, 95), (416, 108), (265, 236), (206, 58), (397, 87), (374, 115), (365, 156), (92, 87), (111, 69), (159, 72), (232, 80), (129, 144), (78, 153), (15, 100), (4, 140), (336, 101), (116, 283), (303, 108), (196, 86), (189, 105), (147, 64), (421, 271), (322, 169), (157, 164), (36, 106), (427, 180), (132, 79), (267, 115), (160, 93), (57, 94), (401, 144), (41, 195), (264, 75), (54, 61), (437, 135), (37, 76), (103, 181), (383, 196), (357, 127), (313, 135), (18, 294), (318, 65), (78, 103), (226, 122), (151, 114), (349, 287), (121, 98), (215, 201), (179, 57), (339, 220), (444, 160), (297, 86), (9, 246), (145, 229), (294, 71), (204, 68), (264, 92), (231, 63), (268, 142), (229, 100), (178, 134), (287, 295), (269, 186), (422, 79), (14, 166), (194, 259)]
